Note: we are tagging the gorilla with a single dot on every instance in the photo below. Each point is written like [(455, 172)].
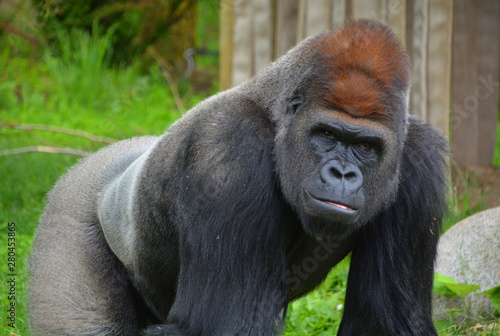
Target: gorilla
[(248, 201)]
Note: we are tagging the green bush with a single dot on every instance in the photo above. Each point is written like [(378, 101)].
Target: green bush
[(137, 24)]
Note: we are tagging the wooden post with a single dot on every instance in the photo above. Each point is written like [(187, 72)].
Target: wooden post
[(243, 46), (373, 9), (339, 12), (396, 17), (439, 64), (314, 17), (464, 120), (429, 45), (420, 37), (226, 44), (486, 91), (476, 54), (263, 32), (286, 26)]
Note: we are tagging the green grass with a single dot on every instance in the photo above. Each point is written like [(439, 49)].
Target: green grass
[(496, 158), (76, 90), (79, 89), (320, 312)]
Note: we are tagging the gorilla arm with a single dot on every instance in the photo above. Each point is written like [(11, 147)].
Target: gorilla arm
[(115, 211), (215, 202), (310, 259), (390, 279), (232, 276)]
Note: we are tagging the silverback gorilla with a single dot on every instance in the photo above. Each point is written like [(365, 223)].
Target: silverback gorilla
[(248, 201)]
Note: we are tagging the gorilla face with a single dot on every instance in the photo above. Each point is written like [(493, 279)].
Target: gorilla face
[(346, 172)]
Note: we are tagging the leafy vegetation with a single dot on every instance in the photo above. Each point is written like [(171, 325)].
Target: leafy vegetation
[(136, 24), (485, 325), (320, 312), (74, 87)]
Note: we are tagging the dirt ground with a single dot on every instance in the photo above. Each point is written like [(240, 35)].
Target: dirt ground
[(476, 186)]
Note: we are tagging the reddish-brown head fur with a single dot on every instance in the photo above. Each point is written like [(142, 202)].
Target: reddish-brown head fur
[(365, 63)]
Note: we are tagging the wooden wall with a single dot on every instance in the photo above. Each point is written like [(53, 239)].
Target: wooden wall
[(453, 46), (474, 94)]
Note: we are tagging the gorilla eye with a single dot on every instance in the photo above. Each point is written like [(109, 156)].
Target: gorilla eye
[(365, 145), (328, 134)]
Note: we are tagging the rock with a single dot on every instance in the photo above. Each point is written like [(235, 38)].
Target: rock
[(469, 252)]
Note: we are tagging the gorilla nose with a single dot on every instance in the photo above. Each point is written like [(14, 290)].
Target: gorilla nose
[(335, 173)]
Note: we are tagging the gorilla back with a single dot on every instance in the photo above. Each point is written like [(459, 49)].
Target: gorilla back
[(249, 200)]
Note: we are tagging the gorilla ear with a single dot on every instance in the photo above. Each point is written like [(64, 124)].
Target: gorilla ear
[(294, 104)]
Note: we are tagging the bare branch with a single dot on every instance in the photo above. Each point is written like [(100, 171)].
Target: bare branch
[(168, 77), (56, 129), (43, 149), (11, 29)]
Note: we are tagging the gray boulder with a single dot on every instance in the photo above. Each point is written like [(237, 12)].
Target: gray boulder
[(469, 252)]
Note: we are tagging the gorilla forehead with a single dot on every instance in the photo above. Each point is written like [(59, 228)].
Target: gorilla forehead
[(356, 93), (369, 46)]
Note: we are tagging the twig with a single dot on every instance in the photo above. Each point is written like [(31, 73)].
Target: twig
[(48, 128), (168, 77), (43, 149), (11, 29)]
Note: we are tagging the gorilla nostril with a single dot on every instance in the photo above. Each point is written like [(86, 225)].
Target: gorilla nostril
[(336, 173), (350, 176)]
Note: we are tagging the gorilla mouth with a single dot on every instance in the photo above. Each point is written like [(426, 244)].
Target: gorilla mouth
[(330, 205), (340, 205), (331, 211)]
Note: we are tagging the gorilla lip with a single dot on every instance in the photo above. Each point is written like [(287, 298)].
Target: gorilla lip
[(342, 206), (338, 205)]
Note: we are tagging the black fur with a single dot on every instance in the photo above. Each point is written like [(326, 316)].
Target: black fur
[(245, 204), (390, 279)]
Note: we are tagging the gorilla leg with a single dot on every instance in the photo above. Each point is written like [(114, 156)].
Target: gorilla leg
[(78, 287)]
